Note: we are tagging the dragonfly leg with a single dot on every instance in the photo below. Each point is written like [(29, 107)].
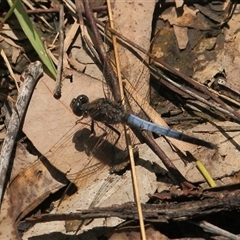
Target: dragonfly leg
[(97, 144), (79, 120), (92, 128), (102, 136), (116, 131)]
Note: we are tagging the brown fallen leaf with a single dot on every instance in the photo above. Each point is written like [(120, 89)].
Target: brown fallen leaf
[(189, 18), (179, 3), (30, 184), (134, 234), (181, 34)]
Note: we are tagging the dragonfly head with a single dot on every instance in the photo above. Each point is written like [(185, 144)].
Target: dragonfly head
[(78, 105)]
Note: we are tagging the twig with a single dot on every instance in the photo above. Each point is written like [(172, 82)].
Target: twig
[(200, 205), (127, 130), (207, 102), (9, 68), (53, 10), (183, 183), (98, 43), (30, 76), (40, 10), (84, 32), (27, 3), (58, 86), (208, 227)]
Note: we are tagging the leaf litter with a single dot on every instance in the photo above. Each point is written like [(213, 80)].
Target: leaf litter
[(121, 191), (46, 123)]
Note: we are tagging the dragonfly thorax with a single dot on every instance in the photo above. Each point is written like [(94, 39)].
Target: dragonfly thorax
[(101, 110)]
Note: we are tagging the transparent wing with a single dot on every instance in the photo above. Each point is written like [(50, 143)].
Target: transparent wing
[(133, 69), (91, 158), (133, 66), (92, 155)]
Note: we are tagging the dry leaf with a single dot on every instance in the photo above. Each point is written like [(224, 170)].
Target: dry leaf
[(179, 3), (181, 34), (133, 20), (134, 234), (220, 163), (33, 184), (189, 18)]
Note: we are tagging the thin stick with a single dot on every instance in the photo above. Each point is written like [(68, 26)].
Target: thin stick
[(84, 33), (58, 86), (9, 68), (208, 227), (207, 102), (98, 43), (41, 17), (127, 130), (30, 76)]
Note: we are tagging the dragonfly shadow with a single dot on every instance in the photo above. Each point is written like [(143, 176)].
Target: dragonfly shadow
[(98, 147)]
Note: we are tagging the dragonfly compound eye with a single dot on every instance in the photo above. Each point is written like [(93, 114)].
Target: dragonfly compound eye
[(83, 99), (77, 105)]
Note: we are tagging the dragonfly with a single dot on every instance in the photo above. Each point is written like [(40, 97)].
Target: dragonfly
[(109, 112)]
